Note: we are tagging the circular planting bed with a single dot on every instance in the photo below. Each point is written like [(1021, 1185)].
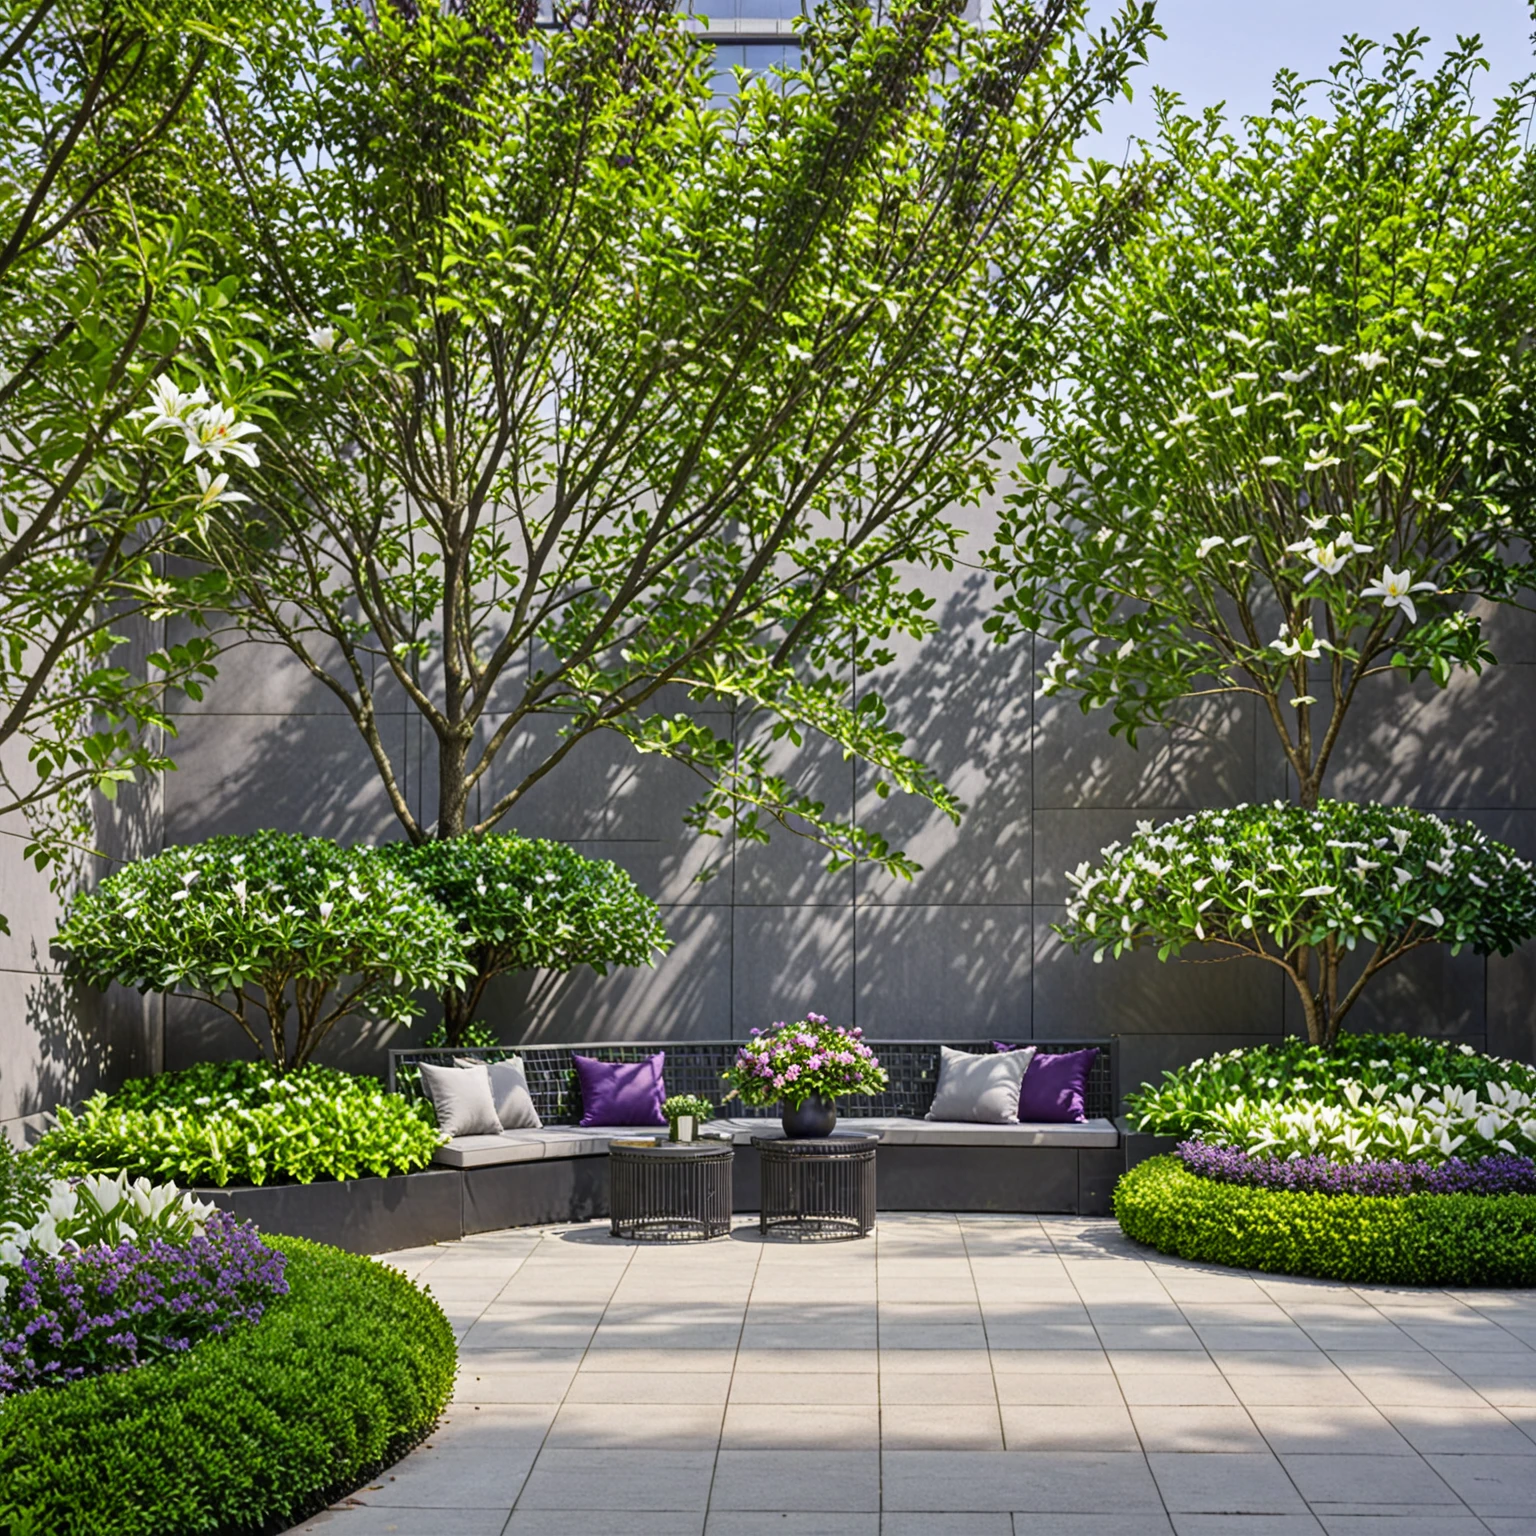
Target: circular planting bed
[(248, 1432), (1414, 1239)]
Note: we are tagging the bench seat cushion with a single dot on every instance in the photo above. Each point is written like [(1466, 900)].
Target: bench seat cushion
[(552, 1141)]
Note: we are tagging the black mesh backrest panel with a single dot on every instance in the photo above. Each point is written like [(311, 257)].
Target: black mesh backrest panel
[(697, 1066)]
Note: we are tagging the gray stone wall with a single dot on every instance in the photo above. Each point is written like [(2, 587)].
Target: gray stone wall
[(963, 951)]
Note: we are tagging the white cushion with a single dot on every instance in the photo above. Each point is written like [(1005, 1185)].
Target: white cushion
[(462, 1098), (509, 1092), (983, 1089)]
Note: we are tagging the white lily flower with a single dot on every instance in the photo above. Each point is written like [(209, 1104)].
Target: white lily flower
[(1434, 917), (321, 337), (214, 489), (1303, 644), (171, 406), (1205, 546), (1394, 588), (214, 430)]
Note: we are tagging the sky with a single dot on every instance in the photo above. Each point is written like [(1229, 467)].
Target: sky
[(1230, 49)]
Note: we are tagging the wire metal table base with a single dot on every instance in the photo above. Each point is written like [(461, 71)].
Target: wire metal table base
[(679, 1192), (817, 1190)]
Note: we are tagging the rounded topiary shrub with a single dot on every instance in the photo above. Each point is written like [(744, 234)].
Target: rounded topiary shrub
[(247, 1432), (1418, 1239)]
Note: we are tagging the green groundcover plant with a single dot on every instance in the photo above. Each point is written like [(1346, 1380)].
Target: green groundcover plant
[(1372, 1096), (267, 925), (1330, 896), (247, 1432), (1396, 1240), (242, 1122)]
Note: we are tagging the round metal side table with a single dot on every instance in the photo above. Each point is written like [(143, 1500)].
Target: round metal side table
[(817, 1190), (677, 1192)]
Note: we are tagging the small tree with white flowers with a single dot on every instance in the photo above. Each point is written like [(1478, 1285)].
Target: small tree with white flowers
[(1305, 890), (1296, 438)]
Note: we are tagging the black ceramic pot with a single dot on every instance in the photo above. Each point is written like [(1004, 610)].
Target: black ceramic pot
[(814, 1116)]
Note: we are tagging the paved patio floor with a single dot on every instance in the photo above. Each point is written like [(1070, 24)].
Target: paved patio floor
[(955, 1376)]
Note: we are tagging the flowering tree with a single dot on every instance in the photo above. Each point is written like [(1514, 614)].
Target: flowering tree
[(525, 903), (264, 927), (103, 290), (613, 411), (1308, 890), (1294, 439)]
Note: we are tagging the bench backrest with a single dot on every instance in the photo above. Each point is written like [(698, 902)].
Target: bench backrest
[(697, 1066)]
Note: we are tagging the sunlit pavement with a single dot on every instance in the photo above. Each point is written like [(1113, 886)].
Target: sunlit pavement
[(954, 1376)]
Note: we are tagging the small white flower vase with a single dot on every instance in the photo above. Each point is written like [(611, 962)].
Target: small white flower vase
[(685, 1128)]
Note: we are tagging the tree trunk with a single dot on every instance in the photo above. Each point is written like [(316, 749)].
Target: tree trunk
[(452, 793)]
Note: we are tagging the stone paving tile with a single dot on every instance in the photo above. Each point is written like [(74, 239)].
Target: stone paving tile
[(1067, 1482), (800, 1427), (1399, 1524), (1327, 1430), (356, 1519), (953, 1426), (590, 1522), (979, 1376), (1197, 1428), (1407, 1481), (1224, 1483), (586, 1479), (672, 1426), (741, 1522), (1490, 1485), (1248, 1525), (1106, 1427), (811, 1481)]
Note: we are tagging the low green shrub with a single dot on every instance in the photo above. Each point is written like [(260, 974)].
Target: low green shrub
[(241, 1122), (1385, 1240), (245, 1432)]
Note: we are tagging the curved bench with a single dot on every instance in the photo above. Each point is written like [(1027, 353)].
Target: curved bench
[(560, 1171)]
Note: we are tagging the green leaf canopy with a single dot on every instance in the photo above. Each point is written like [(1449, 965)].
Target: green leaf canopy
[(1304, 890), (526, 903), (265, 924)]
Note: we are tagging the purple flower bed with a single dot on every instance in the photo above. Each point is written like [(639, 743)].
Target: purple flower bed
[(110, 1309), (1502, 1174)]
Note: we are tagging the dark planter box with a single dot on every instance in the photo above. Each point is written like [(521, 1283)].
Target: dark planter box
[(405, 1210), (438, 1205), (1138, 1147)]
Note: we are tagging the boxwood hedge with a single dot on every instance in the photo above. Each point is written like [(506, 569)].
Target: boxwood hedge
[(247, 1433), (1395, 1240)]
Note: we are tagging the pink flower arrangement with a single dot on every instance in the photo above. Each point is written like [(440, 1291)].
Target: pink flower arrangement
[(795, 1061)]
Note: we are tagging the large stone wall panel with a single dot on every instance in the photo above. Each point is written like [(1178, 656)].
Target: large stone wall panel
[(943, 972)]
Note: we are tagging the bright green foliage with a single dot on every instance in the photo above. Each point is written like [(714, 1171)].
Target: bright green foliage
[(1367, 1239), (615, 412), (249, 1432), (524, 904), (687, 1104), (1187, 1099), (23, 1185), (264, 924), (105, 286), (243, 1122), (1294, 436), (1305, 890), (1373, 1096)]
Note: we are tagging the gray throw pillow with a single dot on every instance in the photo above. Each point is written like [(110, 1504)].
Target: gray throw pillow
[(509, 1092), (980, 1088), (462, 1098)]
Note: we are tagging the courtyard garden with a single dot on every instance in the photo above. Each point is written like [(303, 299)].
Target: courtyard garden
[(527, 384)]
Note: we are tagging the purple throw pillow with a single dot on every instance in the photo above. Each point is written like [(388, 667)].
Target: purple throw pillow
[(621, 1092), (1054, 1086)]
